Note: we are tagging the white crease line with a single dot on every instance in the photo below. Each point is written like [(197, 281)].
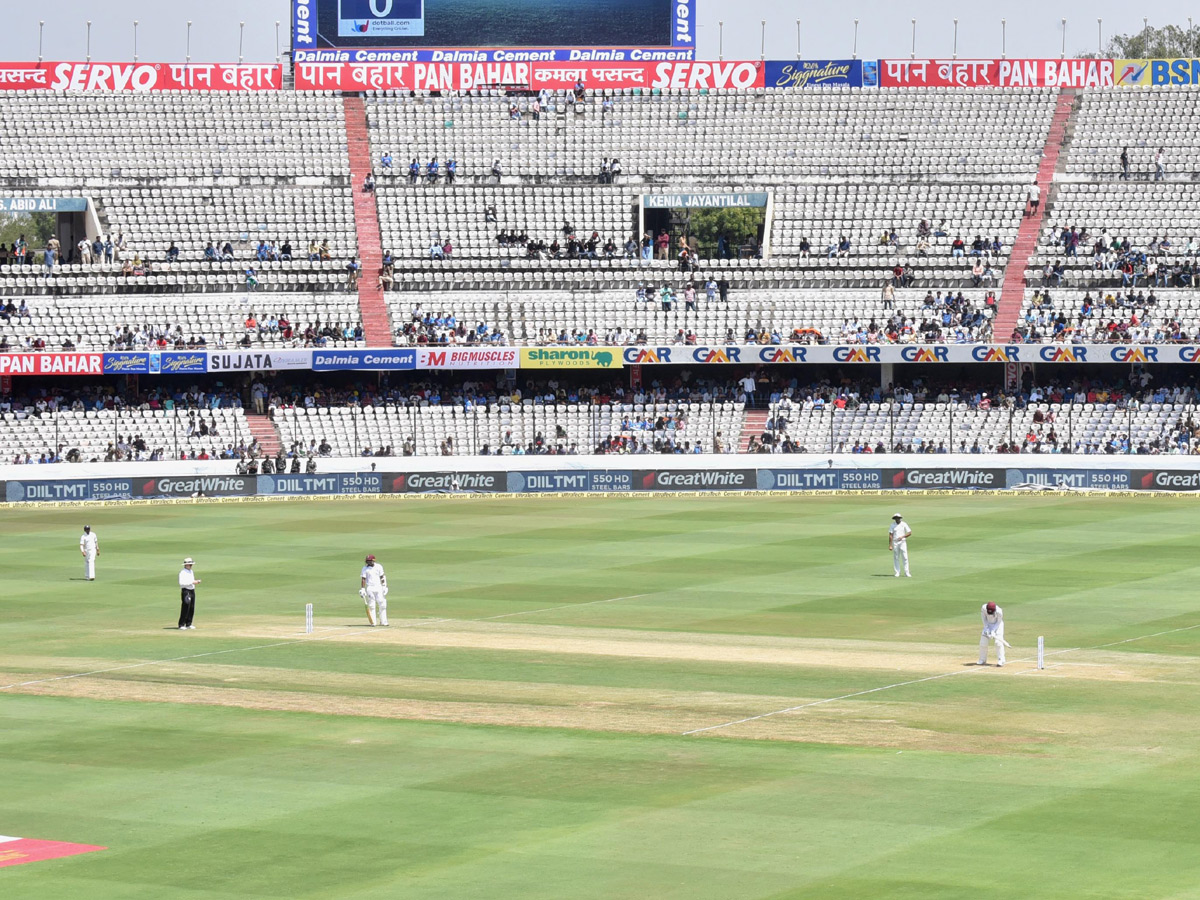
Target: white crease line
[(530, 612), (338, 631), (887, 687)]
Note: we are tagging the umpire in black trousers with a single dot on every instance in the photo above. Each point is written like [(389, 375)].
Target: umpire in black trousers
[(187, 595)]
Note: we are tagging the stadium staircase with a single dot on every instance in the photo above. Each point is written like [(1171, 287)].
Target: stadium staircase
[(1013, 293), (377, 327), (753, 425), (263, 430)]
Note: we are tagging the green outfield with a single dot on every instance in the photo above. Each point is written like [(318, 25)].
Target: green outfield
[(623, 697)]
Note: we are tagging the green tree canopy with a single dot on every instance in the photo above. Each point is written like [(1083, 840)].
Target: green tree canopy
[(1168, 42)]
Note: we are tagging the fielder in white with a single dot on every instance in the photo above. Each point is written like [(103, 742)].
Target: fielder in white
[(993, 630), (373, 589), (898, 536), (89, 547)]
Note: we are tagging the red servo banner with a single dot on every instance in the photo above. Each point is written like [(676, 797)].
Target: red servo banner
[(51, 364), (466, 76), (1066, 73), (139, 77)]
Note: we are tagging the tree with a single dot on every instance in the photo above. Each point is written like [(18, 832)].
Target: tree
[(738, 224), (1168, 42), (37, 228)]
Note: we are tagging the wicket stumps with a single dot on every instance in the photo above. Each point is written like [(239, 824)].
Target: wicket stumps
[(308, 619), (1041, 652)]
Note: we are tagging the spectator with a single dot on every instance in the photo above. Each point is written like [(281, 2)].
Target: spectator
[(662, 245), (369, 183), (451, 170), (1160, 164), (1033, 195), (497, 171), (251, 278), (1124, 164), (353, 268), (432, 170), (172, 253), (414, 171), (385, 161)]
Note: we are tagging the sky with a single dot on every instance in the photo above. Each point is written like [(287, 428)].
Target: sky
[(1034, 28)]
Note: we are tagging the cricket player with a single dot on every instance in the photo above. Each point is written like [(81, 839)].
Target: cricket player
[(89, 547), (373, 589), (898, 536), (187, 595), (993, 630)]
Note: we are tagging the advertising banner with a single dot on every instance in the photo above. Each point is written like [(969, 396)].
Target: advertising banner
[(42, 204), (464, 23), (943, 479), (126, 363), (307, 485), (466, 75), (601, 75), (139, 77), (469, 358), (444, 482), (69, 489), (551, 482), (195, 486), (34, 491), (51, 363), (825, 354), (365, 360), (1163, 480), (1157, 72), (1092, 479), (695, 480), (804, 73), (798, 479), (259, 361), (571, 358), (704, 201), (1062, 73), (178, 362)]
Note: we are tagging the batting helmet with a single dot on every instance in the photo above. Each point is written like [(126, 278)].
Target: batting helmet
[(370, 557), (991, 607)]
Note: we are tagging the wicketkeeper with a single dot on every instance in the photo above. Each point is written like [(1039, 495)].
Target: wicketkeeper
[(373, 589), (993, 630)]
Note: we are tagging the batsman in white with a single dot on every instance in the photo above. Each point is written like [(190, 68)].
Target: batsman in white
[(898, 536), (89, 547), (993, 630), (373, 589)]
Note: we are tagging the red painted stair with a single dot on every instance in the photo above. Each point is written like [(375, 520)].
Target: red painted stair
[(377, 326), (1013, 293), (753, 425), (263, 430)]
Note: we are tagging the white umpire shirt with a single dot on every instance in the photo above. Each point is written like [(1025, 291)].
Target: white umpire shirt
[(899, 532), (187, 578), (374, 576)]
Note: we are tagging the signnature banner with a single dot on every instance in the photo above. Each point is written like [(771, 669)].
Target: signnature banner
[(806, 73)]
